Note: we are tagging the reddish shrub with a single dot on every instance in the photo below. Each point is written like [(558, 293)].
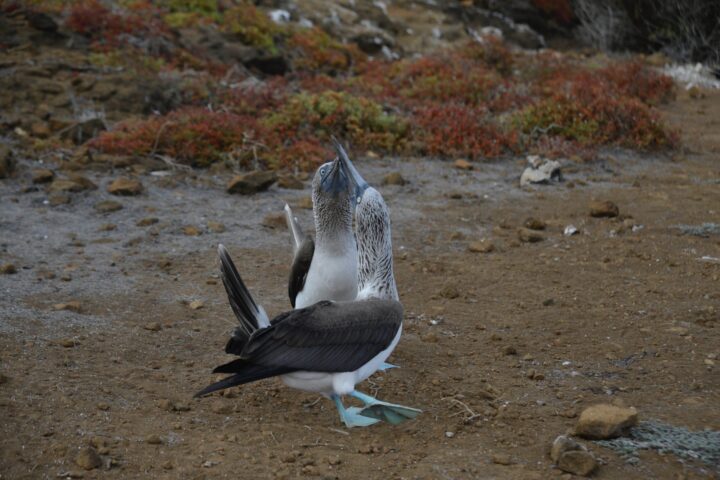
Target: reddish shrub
[(457, 130)]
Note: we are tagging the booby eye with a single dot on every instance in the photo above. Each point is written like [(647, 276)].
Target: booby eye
[(322, 172)]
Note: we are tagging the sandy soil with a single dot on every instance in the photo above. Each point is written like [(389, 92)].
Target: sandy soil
[(610, 315)]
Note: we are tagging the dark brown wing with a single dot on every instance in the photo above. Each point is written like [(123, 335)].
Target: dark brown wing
[(300, 267), (326, 337)]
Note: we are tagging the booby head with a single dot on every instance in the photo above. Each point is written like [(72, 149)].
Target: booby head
[(358, 183), (332, 207)]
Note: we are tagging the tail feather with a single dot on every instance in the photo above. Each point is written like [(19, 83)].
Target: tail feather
[(250, 316), (295, 229), (249, 373)]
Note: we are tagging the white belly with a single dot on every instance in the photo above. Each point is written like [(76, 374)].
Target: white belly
[(330, 278), (340, 383)]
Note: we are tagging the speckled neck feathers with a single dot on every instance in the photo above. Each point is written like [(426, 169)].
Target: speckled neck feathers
[(375, 259)]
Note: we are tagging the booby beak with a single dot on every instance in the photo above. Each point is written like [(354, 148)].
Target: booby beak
[(359, 185), (336, 181)]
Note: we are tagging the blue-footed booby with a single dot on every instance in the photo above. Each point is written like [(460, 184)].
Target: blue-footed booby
[(328, 347), (325, 269)]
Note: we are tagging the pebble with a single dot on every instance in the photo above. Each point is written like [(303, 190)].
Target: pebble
[(482, 246), (530, 236), (125, 186), (7, 164), (462, 164), (535, 224), (153, 327), (509, 350), (196, 304), (501, 459), (252, 182), (146, 222), (65, 185), (67, 343), (103, 406), (274, 220), (216, 227), (42, 175), (73, 306), (191, 231), (8, 269), (605, 209), (153, 439), (57, 199), (107, 227), (222, 408), (577, 462), (604, 421), (88, 459), (290, 182), (449, 292), (107, 206), (394, 178)]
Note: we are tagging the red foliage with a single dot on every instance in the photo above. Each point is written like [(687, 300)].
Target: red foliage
[(305, 154), (457, 130)]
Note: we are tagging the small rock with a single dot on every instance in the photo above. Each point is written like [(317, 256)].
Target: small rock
[(222, 408), (562, 444), (570, 230), (57, 199), (275, 220), (146, 222), (40, 130), (67, 343), (165, 404), (153, 439), (509, 350), (604, 209), (191, 230), (8, 269), (73, 306), (216, 227), (393, 178), (125, 186), (463, 164), (604, 421), (65, 185), (449, 292), (88, 459), (107, 227), (577, 462), (540, 171), (196, 304), (535, 224), (290, 182), (530, 236), (153, 327), (42, 175), (107, 206), (252, 182), (429, 337), (84, 182), (501, 458), (103, 406), (483, 246)]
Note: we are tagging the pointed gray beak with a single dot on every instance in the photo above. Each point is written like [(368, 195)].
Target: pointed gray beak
[(358, 183), (336, 180)]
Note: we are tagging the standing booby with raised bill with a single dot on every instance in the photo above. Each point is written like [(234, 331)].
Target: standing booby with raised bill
[(328, 347), (325, 269)]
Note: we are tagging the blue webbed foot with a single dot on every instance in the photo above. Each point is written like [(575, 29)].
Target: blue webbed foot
[(387, 366), (389, 412), (350, 416)]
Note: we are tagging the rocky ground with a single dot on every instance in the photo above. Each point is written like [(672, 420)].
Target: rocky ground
[(112, 316)]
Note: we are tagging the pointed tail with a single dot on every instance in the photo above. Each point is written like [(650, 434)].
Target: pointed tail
[(295, 229), (246, 374), (250, 315)]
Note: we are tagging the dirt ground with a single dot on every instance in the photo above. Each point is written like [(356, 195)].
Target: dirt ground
[(520, 339)]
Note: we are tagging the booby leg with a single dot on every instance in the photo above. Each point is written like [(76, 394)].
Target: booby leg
[(387, 366), (351, 418), (377, 409)]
